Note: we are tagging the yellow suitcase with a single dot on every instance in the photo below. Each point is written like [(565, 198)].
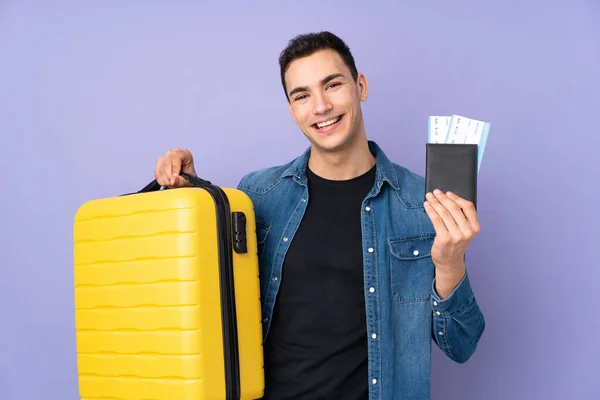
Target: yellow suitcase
[(167, 297)]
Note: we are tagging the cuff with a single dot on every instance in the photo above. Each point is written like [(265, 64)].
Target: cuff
[(458, 299)]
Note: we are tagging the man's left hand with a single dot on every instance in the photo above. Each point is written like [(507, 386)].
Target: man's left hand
[(456, 224)]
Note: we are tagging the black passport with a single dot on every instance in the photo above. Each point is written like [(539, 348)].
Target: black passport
[(452, 167)]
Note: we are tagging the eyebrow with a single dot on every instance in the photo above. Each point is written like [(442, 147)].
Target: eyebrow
[(325, 80)]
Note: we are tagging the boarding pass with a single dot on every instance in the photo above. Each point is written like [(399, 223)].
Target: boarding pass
[(459, 129)]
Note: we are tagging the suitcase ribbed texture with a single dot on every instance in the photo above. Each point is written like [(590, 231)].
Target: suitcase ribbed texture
[(148, 301)]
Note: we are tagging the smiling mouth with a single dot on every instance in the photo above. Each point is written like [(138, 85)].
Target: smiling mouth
[(324, 125)]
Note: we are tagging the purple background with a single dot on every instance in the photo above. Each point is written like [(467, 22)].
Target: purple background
[(92, 92)]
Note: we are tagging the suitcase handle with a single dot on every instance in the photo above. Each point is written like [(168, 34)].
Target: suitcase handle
[(194, 180)]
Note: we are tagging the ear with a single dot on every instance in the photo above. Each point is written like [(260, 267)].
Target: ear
[(363, 87)]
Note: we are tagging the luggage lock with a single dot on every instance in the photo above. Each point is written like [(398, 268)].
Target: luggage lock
[(239, 232)]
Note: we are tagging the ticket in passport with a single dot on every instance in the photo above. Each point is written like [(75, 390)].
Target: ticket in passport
[(459, 129)]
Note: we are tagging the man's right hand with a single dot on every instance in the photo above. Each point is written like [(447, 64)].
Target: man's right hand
[(169, 166)]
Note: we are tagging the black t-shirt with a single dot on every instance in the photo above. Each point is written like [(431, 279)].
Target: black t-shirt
[(317, 343)]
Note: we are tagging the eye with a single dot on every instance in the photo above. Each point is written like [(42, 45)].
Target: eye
[(301, 97), (333, 85)]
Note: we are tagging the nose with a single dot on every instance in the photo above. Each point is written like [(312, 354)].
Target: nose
[(321, 104)]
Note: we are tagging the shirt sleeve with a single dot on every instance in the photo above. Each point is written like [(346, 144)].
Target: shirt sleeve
[(458, 322)]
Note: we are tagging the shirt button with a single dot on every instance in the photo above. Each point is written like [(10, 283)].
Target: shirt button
[(372, 290), (441, 333), (285, 239), (265, 319), (370, 250), (374, 336), (303, 200), (416, 252), (374, 381), (368, 208), (274, 278), (435, 303), (437, 313)]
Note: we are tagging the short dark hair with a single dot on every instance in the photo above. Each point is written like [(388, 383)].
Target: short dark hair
[(306, 44)]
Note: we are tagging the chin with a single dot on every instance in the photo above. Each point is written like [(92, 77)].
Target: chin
[(331, 143)]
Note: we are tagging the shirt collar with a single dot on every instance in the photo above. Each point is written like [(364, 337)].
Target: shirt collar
[(385, 171)]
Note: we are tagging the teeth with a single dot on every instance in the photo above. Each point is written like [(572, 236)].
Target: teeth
[(327, 123)]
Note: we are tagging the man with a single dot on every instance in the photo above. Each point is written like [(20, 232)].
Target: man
[(355, 278)]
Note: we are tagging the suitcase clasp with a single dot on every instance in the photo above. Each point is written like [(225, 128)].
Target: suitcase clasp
[(238, 222)]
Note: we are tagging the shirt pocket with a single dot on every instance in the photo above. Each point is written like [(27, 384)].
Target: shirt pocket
[(411, 268)]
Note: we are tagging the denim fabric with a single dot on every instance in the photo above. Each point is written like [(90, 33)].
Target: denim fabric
[(403, 310)]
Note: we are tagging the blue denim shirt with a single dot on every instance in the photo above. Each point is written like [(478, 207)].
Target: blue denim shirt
[(403, 310)]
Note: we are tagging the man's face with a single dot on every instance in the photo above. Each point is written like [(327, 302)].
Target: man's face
[(325, 100)]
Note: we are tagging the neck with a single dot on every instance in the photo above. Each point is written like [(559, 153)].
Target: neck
[(350, 162)]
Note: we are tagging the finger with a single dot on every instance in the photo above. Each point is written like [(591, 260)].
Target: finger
[(456, 213), (158, 174), (444, 214), (436, 220), (165, 167), (468, 209), (168, 166), (157, 168), (176, 164)]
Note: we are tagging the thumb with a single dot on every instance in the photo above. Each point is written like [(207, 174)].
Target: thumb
[(187, 163), (179, 181)]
